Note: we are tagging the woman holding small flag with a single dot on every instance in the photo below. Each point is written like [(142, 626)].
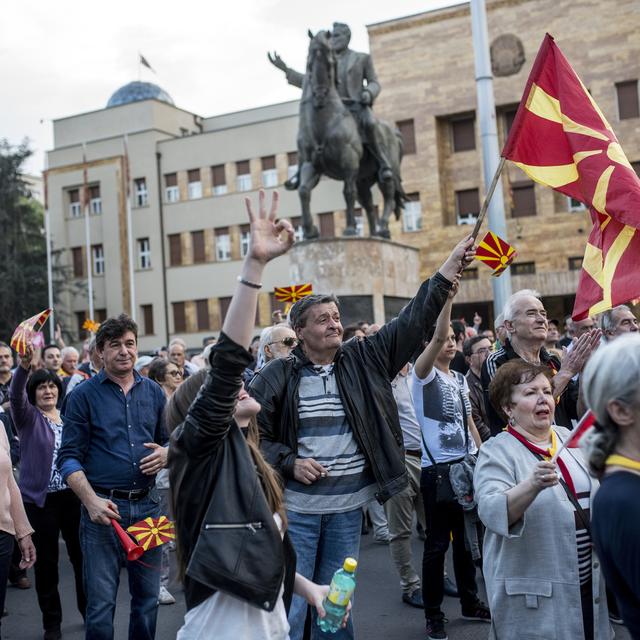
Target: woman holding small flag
[(610, 385), (541, 575)]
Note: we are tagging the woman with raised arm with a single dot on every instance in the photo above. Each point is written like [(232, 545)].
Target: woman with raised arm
[(441, 401), (234, 553)]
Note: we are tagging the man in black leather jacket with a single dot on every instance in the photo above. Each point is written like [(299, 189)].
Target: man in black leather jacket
[(329, 423)]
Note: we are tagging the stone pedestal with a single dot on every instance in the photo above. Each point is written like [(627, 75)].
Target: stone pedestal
[(373, 277)]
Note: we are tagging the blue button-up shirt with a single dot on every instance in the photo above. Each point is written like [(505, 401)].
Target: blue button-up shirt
[(104, 431)]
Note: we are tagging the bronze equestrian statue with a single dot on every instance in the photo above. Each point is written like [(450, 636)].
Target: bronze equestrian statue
[(339, 136)]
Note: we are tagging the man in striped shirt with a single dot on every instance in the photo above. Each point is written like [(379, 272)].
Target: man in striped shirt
[(329, 424)]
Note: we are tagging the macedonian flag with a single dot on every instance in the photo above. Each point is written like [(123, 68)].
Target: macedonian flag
[(27, 331), (152, 532), (495, 253), (560, 138), (293, 293)]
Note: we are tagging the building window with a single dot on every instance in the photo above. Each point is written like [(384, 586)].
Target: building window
[(141, 193), (524, 200), (463, 134), (197, 242), (467, 206), (175, 250), (75, 208), (95, 202), (523, 268), (171, 190), (407, 131), (269, 172), (298, 229), (628, 106), (243, 176), (245, 240), (78, 262), (97, 253), (224, 308), (575, 263), (470, 273), (412, 214), (218, 180), (179, 317), (194, 185), (147, 319), (575, 205), (292, 164), (223, 244), (327, 226), (144, 253), (202, 315)]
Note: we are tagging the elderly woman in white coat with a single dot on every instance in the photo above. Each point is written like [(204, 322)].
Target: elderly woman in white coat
[(543, 580)]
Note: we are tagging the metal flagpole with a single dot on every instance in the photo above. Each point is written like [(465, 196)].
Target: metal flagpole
[(47, 232), (491, 161), (87, 230), (132, 281)]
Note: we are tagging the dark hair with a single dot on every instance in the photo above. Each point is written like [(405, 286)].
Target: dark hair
[(350, 331), (554, 322), (298, 313), (429, 335), (459, 329), (41, 376), (511, 374), (467, 347), (205, 340), (361, 323), (113, 328), (46, 348), (158, 370)]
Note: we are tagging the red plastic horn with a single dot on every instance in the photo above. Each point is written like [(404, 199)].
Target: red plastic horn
[(133, 550)]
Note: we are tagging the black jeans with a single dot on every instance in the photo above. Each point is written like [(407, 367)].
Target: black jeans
[(442, 521), (6, 550), (59, 515)]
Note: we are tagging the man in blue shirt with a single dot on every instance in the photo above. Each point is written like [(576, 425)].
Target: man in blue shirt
[(112, 447)]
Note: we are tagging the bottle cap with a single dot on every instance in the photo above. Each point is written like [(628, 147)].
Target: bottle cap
[(350, 565)]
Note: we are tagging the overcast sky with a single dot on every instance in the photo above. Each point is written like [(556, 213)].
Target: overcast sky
[(62, 58)]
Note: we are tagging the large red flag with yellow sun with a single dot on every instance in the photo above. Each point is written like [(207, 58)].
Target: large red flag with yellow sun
[(152, 532), (560, 138)]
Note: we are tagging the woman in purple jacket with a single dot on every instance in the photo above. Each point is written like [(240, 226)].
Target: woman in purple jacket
[(52, 508)]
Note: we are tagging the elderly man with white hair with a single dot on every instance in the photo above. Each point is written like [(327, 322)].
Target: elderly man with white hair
[(525, 321), (276, 341), (617, 322)]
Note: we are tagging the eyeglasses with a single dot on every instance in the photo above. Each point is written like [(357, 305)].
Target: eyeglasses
[(287, 342), (177, 373), (481, 351)]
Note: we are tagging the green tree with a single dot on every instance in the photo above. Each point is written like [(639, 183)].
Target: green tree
[(23, 253)]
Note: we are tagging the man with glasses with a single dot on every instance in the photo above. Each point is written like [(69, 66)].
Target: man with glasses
[(525, 320), (475, 352), (276, 342)]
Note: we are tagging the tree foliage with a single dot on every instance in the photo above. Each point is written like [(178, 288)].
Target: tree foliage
[(23, 253)]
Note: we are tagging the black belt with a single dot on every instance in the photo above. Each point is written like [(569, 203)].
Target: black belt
[(416, 453), (122, 494)]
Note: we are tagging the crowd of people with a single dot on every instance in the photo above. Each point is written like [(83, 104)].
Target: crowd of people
[(271, 452)]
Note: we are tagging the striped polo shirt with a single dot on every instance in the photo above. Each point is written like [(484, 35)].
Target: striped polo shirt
[(325, 435)]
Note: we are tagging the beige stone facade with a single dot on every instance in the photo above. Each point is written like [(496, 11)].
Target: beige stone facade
[(190, 174)]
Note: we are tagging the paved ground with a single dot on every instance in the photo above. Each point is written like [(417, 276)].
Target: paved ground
[(379, 612)]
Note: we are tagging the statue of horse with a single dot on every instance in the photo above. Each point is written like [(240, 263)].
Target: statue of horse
[(329, 143)]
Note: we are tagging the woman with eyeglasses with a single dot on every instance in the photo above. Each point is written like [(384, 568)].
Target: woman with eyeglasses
[(167, 374)]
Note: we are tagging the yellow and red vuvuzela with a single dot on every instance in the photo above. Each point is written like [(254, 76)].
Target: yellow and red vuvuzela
[(495, 253), (26, 330), (152, 532), (561, 139), (293, 293)]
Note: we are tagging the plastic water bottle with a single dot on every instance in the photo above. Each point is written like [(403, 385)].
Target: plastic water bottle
[(335, 604)]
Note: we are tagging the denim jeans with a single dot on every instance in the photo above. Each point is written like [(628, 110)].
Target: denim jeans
[(322, 542), (103, 557)]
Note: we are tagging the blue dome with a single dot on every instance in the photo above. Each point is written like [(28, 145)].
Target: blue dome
[(136, 91)]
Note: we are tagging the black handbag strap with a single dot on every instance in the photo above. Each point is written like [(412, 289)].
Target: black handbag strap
[(570, 495), (464, 420)]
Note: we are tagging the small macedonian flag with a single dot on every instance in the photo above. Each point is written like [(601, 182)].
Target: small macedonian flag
[(495, 253), (293, 293), (91, 325), (27, 330), (152, 532)]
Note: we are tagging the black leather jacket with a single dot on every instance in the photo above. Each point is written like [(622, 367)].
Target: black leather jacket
[(364, 370), (225, 530)]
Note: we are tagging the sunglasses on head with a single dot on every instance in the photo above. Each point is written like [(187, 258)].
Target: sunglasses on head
[(287, 342)]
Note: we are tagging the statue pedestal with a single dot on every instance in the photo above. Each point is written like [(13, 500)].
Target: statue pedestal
[(372, 277)]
